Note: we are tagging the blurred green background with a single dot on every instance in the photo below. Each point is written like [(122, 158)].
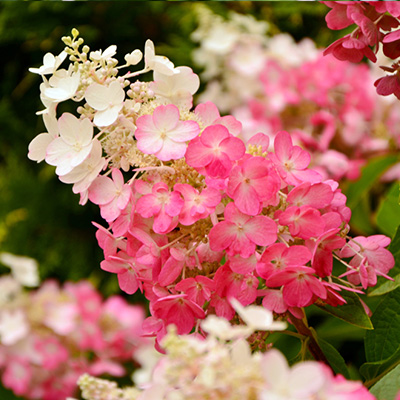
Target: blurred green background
[(39, 216)]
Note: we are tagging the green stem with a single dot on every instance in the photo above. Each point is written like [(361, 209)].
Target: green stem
[(303, 329)]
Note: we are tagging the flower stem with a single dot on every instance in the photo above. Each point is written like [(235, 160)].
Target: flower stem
[(303, 329)]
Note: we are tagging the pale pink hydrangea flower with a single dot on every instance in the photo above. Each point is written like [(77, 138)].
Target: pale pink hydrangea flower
[(112, 195), (209, 115), (83, 175), (163, 134)]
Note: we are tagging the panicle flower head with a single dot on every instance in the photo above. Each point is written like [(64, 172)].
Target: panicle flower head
[(203, 211)]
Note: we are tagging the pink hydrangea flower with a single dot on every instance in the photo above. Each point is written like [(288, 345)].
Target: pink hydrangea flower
[(242, 287), (178, 310), (240, 233), (198, 289), (252, 183), (112, 195), (215, 150), (299, 285), (303, 222), (292, 161), (209, 115), (163, 134), (278, 256), (322, 258), (197, 205), (163, 205), (123, 265), (370, 259)]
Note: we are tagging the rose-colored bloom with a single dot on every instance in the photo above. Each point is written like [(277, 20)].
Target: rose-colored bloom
[(318, 195), (123, 265), (178, 310), (370, 259), (299, 285), (228, 284), (303, 222), (351, 49), (322, 248), (197, 205), (163, 205), (387, 85), (215, 150), (278, 256), (240, 233), (251, 183), (198, 289)]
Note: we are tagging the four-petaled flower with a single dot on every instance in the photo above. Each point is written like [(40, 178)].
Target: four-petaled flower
[(163, 134)]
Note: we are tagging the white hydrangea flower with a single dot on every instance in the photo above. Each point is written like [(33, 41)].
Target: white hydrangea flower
[(37, 147), (9, 289), (302, 381), (107, 100), (13, 326), (61, 86), (50, 64), (100, 55), (257, 317), (23, 269), (73, 146), (134, 57), (176, 89), (158, 63), (85, 173), (222, 329)]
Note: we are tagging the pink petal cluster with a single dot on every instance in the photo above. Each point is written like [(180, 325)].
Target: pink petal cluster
[(238, 220), (163, 134), (374, 23), (71, 331)]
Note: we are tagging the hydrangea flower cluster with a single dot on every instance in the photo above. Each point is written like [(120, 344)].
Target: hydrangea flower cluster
[(329, 107), (223, 367), (204, 215), (51, 336), (377, 24)]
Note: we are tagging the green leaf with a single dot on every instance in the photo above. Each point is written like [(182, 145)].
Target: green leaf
[(384, 340), (387, 387), (335, 359), (378, 369), (384, 286), (370, 174), (352, 312), (358, 217), (388, 215)]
